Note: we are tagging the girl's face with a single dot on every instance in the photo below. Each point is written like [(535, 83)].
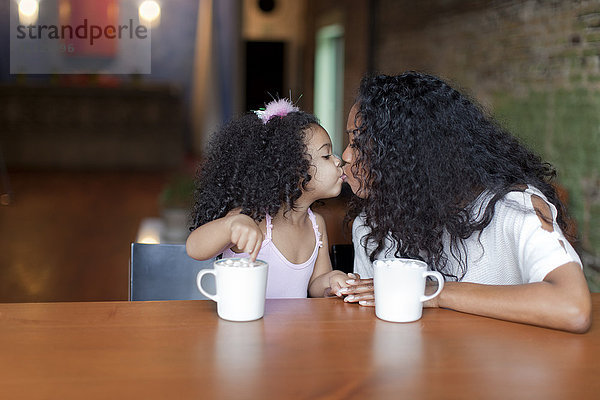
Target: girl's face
[(325, 169), (350, 155)]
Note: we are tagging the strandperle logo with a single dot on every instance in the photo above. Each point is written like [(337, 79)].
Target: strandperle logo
[(83, 31), (80, 37)]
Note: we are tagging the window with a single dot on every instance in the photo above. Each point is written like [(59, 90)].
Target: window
[(329, 83)]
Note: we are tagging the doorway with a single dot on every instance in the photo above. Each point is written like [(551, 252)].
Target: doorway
[(264, 73)]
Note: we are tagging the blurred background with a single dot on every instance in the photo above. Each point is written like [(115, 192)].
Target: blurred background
[(90, 163)]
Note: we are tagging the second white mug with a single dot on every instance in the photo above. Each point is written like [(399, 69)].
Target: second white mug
[(400, 288)]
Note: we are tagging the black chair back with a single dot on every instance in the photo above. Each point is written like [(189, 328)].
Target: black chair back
[(165, 272)]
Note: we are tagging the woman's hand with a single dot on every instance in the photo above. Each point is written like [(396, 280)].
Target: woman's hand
[(359, 290), (362, 291), (245, 234)]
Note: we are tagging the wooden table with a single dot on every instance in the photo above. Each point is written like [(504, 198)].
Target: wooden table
[(301, 349)]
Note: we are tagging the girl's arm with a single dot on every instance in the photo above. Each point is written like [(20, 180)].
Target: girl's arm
[(233, 230), (325, 281)]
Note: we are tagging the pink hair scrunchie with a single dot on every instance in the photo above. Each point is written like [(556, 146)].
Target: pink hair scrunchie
[(276, 108)]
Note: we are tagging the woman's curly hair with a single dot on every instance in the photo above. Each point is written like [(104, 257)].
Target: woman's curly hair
[(254, 166), (425, 153)]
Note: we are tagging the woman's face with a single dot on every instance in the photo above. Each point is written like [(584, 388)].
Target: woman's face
[(350, 154)]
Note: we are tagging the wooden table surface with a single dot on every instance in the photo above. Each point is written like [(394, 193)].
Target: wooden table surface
[(301, 349)]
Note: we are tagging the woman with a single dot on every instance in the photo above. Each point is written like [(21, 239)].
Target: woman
[(438, 180)]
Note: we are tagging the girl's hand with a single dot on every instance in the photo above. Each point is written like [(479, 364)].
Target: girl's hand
[(359, 290), (337, 281), (246, 236)]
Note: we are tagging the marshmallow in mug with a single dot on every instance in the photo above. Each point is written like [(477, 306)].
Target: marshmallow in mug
[(241, 262), (403, 262)]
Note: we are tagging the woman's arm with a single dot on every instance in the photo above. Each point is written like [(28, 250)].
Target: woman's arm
[(561, 301), (233, 230), (325, 281)]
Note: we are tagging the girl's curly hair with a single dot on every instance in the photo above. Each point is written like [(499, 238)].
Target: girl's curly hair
[(425, 152), (254, 166)]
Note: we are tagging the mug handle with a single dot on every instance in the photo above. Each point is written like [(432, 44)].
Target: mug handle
[(199, 283), (438, 277)]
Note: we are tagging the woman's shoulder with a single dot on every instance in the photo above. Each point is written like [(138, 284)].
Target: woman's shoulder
[(359, 223), (514, 210), (527, 199), (521, 212)]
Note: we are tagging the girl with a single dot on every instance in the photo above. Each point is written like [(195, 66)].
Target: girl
[(438, 180), (254, 191)]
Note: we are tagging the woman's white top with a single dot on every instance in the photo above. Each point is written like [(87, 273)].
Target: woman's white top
[(517, 248)]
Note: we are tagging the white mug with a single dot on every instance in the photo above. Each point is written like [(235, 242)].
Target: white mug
[(241, 288), (400, 288)]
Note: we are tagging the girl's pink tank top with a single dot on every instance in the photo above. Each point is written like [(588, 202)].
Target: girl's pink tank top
[(285, 279)]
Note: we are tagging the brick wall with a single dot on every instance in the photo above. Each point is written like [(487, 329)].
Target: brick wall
[(494, 45), (534, 64)]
